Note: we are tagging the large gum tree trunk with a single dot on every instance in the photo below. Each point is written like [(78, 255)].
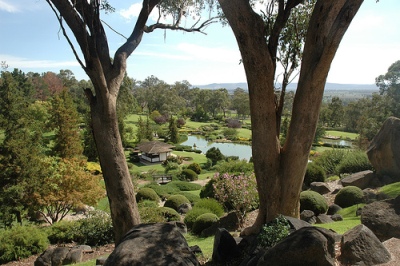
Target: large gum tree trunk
[(280, 170)]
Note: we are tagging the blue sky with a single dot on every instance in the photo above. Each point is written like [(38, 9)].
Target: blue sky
[(31, 41)]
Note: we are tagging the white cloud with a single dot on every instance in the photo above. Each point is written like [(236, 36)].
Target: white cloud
[(132, 12), (18, 62), (8, 7)]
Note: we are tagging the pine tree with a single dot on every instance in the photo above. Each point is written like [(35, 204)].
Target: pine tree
[(173, 132)]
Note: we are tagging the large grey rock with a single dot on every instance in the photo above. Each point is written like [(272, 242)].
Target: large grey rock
[(384, 149), (383, 218), (225, 248), (320, 187), (324, 219), (306, 246), (360, 245), (62, 256), (361, 179), (153, 244), (308, 216), (333, 209)]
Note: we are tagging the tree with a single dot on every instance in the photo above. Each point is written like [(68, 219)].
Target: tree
[(173, 132), (280, 169), (336, 112), (106, 74), (389, 85), (215, 155), (241, 102)]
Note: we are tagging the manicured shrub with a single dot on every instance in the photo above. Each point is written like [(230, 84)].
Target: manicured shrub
[(353, 162), (147, 193), (175, 201), (207, 191), (314, 173), (150, 215), (212, 205), (190, 196), (236, 167), (195, 167), (203, 222), (188, 175), (184, 185), (169, 214), (63, 232), (21, 242), (273, 232), (165, 191), (330, 159), (192, 215), (215, 155), (349, 196), (148, 204), (96, 230), (313, 201)]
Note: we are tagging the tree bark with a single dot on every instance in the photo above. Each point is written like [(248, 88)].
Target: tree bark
[(280, 170)]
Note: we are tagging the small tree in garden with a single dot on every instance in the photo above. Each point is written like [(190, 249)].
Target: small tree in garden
[(215, 155), (238, 192)]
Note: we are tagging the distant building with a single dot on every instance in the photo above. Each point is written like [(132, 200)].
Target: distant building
[(154, 151)]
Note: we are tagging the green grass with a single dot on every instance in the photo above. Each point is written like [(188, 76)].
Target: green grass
[(350, 220), (391, 190), (342, 134), (198, 158), (244, 133), (206, 244)]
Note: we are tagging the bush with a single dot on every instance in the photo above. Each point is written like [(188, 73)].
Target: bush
[(63, 232), (314, 173), (236, 167), (188, 175), (215, 155), (273, 232), (96, 230), (147, 204), (208, 190), (313, 201), (21, 242), (192, 215), (349, 196), (150, 215), (195, 167), (190, 196), (353, 162), (175, 201), (203, 222), (185, 186), (165, 191), (147, 193), (330, 159), (169, 214), (212, 205)]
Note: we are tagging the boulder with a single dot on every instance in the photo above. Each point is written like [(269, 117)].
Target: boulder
[(62, 256), (229, 222), (225, 248), (384, 149), (308, 216), (359, 245), (361, 179), (296, 224), (153, 244), (337, 217), (369, 195), (306, 246), (184, 208), (333, 209), (320, 187), (383, 218), (324, 219)]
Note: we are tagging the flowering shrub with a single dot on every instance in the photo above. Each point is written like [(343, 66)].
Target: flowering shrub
[(238, 192)]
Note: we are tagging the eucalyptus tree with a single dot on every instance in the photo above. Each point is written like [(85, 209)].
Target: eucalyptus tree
[(389, 85), (280, 169), (106, 73)]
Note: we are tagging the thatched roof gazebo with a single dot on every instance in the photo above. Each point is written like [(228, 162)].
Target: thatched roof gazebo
[(155, 151)]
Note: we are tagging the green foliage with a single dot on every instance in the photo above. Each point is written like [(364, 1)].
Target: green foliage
[(238, 192), (21, 242), (313, 201), (175, 201), (184, 186), (192, 215), (96, 230), (169, 214), (147, 204), (147, 193), (314, 173), (230, 133), (212, 205), (215, 155), (150, 214), (188, 174), (63, 232), (190, 196), (195, 167), (330, 159), (349, 196), (234, 167), (208, 190), (353, 162), (273, 232), (203, 222), (165, 191)]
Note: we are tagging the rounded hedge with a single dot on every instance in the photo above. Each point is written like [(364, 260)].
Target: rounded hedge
[(175, 201), (313, 201), (147, 193), (208, 190), (349, 196), (314, 173), (169, 214), (195, 167), (188, 174), (185, 186), (163, 191), (192, 215), (190, 196), (211, 204), (203, 222)]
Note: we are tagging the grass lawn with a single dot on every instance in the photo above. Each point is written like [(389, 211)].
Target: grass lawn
[(206, 244), (244, 133), (342, 134), (392, 190)]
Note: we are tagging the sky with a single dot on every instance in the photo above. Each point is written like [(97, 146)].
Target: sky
[(31, 40)]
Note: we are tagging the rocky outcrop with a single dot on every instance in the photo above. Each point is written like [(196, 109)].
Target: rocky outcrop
[(153, 244), (320, 187), (361, 179), (62, 255), (225, 247), (360, 246), (383, 218), (384, 150)]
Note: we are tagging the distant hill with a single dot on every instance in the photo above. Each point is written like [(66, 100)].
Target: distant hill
[(292, 86)]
